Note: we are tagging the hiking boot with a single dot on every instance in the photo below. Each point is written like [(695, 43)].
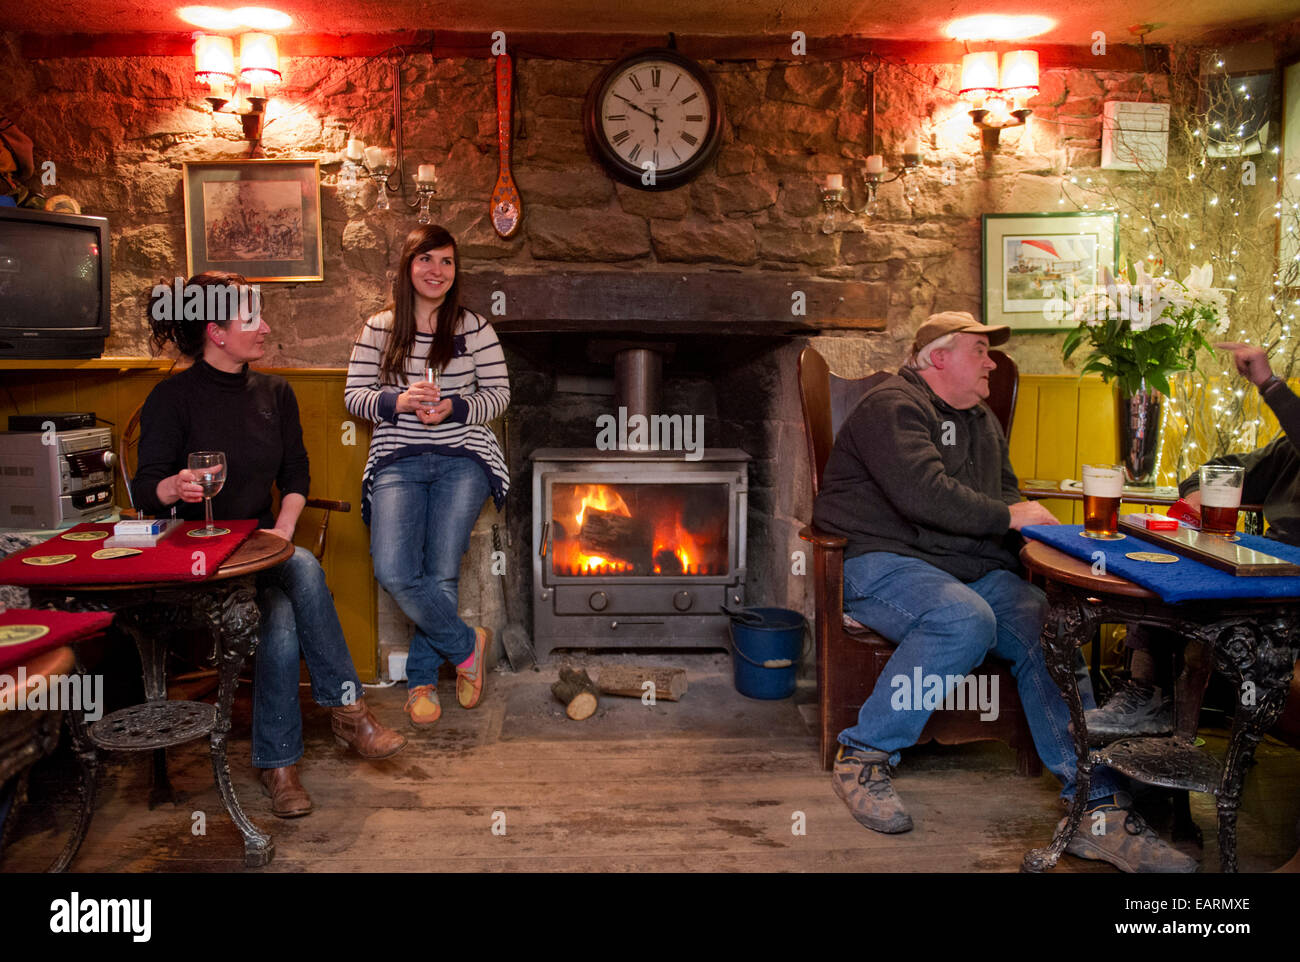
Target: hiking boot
[(1128, 843), (861, 779), (1133, 709)]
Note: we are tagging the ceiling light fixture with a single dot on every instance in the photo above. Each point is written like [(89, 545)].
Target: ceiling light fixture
[(995, 26)]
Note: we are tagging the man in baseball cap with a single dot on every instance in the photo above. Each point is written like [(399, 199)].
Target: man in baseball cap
[(920, 484)]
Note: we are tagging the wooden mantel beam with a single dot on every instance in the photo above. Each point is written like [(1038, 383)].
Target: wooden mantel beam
[(450, 44)]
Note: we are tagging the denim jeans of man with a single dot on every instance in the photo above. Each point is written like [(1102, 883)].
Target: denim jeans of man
[(298, 620), (423, 508), (945, 627)]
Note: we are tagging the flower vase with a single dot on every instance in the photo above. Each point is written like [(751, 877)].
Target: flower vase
[(1140, 427)]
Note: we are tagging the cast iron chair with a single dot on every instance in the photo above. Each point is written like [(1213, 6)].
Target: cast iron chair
[(851, 657)]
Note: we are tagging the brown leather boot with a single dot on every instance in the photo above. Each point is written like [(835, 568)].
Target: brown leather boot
[(357, 727), (288, 798)]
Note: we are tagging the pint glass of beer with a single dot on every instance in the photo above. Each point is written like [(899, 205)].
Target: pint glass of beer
[(1103, 486), (1220, 498)]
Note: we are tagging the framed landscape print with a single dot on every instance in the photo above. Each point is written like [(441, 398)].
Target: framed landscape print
[(1035, 265), (259, 218)]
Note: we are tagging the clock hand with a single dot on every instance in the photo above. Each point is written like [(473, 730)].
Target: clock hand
[(634, 106)]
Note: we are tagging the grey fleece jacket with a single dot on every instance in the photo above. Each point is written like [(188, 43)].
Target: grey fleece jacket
[(912, 475)]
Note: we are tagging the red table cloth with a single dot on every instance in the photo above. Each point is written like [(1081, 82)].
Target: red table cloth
[(178, 557), (25, 632)]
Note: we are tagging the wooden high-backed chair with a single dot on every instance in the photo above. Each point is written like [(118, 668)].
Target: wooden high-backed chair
[(850, 657)]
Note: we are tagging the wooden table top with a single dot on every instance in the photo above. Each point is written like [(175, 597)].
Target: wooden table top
[(261, 550), (1059, 566)]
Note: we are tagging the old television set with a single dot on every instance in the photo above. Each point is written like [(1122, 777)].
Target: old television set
[(54, 284)]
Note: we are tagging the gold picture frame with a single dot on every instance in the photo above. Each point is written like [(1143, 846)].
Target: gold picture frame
[(259, 218)]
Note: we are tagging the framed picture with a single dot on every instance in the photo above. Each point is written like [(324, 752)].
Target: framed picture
[(1036, 264), (259, 218)]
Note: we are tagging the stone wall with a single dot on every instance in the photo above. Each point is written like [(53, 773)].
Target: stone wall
[(119, 130)]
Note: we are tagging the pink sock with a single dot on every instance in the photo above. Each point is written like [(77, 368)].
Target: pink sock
[(468, 663)]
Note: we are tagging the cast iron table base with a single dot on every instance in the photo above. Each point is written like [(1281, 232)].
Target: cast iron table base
[(151, 614), (1252, 643)]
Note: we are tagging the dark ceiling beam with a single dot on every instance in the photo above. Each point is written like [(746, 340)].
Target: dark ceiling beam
[(449, 44)]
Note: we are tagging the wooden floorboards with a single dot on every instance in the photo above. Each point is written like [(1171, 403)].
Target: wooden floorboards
[(714, 783)]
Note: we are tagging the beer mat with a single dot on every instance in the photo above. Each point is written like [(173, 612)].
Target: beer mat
[(173, 559), (25, 633), (1188, 580)]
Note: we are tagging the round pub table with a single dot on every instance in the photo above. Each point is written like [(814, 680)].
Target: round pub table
[(1251, 642), (225, 605)]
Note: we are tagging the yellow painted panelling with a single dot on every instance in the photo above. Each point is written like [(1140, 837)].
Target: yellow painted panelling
[(1057, 441), (1024, 430)]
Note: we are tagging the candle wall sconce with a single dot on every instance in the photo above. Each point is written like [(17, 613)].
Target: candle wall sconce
[(244, 89), (380, 163), (833, 193)]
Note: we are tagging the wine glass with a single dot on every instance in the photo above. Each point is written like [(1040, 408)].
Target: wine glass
[(209, 468)]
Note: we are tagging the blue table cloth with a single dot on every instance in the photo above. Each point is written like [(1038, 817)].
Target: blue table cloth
[(1182, 581)]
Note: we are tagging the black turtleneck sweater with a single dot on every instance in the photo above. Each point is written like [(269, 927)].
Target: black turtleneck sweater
[(252, 417)]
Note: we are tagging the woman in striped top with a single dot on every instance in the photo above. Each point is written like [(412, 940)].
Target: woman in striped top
[(433, 458)]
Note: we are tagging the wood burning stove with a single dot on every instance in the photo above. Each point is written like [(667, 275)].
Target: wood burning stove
[(636, 548)]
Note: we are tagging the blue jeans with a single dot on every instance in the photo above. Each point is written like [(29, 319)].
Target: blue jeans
[(944, 627), (298, 618), (423, 508)]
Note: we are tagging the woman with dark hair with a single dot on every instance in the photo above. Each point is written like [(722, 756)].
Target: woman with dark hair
[(219, 404), (430, 375)]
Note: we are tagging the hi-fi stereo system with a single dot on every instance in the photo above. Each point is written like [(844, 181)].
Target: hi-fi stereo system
[(56, 470)]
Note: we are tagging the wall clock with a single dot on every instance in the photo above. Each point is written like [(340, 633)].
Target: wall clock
[(654, 108)]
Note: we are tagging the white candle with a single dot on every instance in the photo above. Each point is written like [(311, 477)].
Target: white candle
[(834, 181), (875, 164), (374, 156), (426, 174), (912, 145), (355, 151)]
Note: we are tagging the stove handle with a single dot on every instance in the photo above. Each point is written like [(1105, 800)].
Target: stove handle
[(546, 539)]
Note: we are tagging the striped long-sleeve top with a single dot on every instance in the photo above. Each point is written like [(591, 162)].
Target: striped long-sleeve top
[(475, 380)]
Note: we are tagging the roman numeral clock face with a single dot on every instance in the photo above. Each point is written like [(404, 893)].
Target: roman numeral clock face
[(654, 113)]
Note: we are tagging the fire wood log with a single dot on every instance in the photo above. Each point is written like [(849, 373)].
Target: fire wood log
[(670, 683), (578, 692), (614, 536)]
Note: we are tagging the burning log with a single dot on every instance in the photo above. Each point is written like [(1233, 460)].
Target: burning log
[(629, 680), (578, 692), (609, 535)]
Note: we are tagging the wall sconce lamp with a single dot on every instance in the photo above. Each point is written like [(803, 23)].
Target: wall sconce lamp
[(996, 96), (873, 173), (380, 163), (259, 67)]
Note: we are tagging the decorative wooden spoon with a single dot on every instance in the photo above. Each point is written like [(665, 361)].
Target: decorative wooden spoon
[(506, 207)]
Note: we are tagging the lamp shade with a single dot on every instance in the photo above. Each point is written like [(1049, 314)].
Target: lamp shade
[(1020, 72), (259, 58), (979, 72), (214, 59)]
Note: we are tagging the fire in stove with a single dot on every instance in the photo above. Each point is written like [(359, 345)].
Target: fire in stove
[(638, 530)]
